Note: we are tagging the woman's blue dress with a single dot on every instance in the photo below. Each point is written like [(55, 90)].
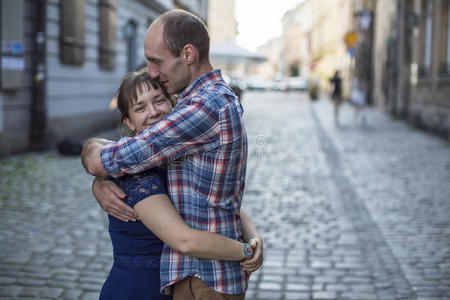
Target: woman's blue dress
[(137, 251)]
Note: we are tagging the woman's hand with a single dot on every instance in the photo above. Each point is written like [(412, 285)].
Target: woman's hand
[(109, 196), (253, 264)]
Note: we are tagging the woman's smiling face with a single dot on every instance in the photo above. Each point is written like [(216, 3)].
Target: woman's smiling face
[(150, 106)]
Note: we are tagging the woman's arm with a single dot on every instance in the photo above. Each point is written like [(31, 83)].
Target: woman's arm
[(159, 215), (248, 227), (253, 237)]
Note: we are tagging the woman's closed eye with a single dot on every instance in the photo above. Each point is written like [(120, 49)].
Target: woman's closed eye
[(161, 101), (139, 108)]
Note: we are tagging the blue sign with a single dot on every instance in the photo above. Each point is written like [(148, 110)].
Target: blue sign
[(17, 48), (351, 51)]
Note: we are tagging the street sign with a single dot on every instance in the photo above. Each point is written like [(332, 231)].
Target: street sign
[(351, 51), (350, 39)]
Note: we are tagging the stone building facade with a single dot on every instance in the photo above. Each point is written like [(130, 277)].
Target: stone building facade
[(222, 24), (312, 40), (62, 61), (412, 62)]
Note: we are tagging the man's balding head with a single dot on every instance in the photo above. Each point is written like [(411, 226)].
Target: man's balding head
[(181, 28)]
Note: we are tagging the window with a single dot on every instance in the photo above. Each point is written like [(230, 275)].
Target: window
[(107, 50), (444, 55), (131, 35), (72, 44), (428, 37)]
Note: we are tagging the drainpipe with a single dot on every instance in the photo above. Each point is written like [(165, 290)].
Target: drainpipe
[(400, 58), (410, 20), (38, 103)]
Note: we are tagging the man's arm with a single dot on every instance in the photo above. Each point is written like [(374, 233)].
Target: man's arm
[(252, 235), (90, 156), (110, 197), (106, 192), (189, 129)]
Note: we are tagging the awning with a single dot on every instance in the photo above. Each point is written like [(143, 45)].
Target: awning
[(230, 53)]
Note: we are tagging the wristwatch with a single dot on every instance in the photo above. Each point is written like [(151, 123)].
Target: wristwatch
[(248, 251)]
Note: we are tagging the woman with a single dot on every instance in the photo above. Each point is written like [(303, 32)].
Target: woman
[(336, 95), (137, 245)]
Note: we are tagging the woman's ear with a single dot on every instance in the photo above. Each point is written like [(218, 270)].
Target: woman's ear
[(127, 122)]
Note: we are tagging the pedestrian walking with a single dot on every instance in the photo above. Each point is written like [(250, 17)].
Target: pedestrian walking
[(358, 101), (336, 95), (204, 143)]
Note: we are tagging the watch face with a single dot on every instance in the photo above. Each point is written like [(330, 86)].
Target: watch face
[(248, 250)]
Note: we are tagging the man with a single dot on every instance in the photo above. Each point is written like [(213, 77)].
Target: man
[(204, 143)]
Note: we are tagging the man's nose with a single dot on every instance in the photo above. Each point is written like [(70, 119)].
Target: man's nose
[(152, 72)]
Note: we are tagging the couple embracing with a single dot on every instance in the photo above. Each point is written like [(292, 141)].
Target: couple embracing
[(173, 189)]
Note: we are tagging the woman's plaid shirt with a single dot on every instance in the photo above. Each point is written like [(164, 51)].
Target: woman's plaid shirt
[(204, 143)]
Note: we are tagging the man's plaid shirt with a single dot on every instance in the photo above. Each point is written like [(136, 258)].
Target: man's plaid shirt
[(204, 142)]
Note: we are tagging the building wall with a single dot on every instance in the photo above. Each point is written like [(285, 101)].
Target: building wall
[(222, 28), (383, 35), (291, 41), (84, 92), (313, 39), (305, 42), (15, 104), (429, 105), (222, 23), (77, 100), (400, 86), (273, 66), (1, 113), (197, 7), (331, 20)]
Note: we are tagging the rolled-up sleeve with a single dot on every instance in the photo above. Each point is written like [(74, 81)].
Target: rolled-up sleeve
[(190, 128)]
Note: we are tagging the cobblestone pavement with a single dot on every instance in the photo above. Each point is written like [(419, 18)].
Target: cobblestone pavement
[(356, 211)]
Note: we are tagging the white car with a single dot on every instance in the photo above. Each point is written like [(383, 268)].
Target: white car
[(256, 83), (297, 84)]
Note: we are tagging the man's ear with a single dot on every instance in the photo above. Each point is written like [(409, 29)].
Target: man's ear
[(189, 53)]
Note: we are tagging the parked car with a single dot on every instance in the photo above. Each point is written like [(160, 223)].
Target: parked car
[(256, 83), (297, 84), (279, 85)]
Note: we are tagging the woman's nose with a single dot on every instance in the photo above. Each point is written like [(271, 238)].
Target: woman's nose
[(152, 111)]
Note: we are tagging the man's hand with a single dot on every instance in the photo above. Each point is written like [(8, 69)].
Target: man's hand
[(90, 156), (253, 264), (109, 196)]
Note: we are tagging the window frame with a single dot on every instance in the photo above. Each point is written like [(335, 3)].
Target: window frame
[(426, 26), (444, 47), (107, 34), (72, 31)]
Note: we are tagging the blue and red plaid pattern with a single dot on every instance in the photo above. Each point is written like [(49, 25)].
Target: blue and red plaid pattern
[(204, 143)]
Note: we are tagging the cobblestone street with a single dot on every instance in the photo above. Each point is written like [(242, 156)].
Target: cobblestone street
[(355, 211)]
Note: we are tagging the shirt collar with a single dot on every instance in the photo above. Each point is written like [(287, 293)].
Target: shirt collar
[(215, 75)]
